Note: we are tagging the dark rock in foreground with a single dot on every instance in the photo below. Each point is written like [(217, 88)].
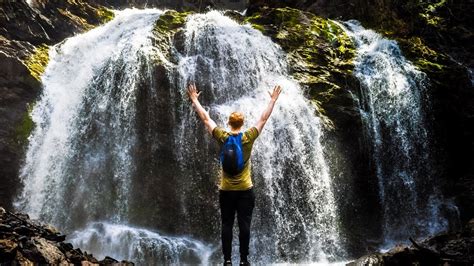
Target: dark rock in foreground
[(27, 242), (444, 249)]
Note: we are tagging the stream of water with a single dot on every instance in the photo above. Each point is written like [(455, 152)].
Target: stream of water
[(394, 106)]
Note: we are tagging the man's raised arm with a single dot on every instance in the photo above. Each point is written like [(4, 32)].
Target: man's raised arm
[(203, 114), (268, 111)]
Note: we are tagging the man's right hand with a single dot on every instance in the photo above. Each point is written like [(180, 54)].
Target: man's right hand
[(203, 115)]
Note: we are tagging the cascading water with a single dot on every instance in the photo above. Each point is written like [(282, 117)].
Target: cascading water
[(392, 105), (144, 247), (82, 153), (235, 65), (117, 144)]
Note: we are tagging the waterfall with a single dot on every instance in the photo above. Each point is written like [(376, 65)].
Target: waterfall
[(393, 105), (119, 160), (84, 137), (82, 153), (234, 65)]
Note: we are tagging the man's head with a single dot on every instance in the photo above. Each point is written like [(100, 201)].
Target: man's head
[(236, 120)]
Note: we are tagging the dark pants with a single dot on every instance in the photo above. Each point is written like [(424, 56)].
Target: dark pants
[(243, 203)]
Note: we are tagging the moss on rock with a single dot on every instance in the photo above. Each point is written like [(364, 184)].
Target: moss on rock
[(105, 15), (170, 21), (319, 51), (77, 20), (165, 30), (24, 128), (424, 57), (38, 61)]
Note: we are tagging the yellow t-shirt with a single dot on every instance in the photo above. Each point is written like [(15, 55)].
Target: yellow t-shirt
[(243, 180)]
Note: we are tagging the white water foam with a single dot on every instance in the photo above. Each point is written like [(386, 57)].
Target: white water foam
[(143, 247)]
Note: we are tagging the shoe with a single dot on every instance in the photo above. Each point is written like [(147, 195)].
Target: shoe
[(244, 263), (228, 263)]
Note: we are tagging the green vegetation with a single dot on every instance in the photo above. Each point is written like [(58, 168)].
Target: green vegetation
[(170, 21), (78, 20), (425, 30), (38, 61), (429, 13), (105, 15), (424, 57), (84, 15), (165, 30), (24, 128), (319, 51)]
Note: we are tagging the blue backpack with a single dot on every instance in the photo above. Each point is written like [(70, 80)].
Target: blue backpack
[(232, 156)]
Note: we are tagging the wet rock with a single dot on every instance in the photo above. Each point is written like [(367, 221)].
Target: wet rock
[(108, 260), (7, 250), (23, 230), (168, 34), (55, 237), (5, 228), (23, 241), (444, 249), (182, 5), (320, 55)]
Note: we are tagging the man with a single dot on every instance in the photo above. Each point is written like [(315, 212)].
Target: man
[(235, 191)]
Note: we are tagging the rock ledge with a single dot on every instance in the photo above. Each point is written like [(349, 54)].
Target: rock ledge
[(445, 249), (27, 242)]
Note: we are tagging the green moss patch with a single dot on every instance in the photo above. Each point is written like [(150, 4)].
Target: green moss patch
[(319, 51), (38, 61), (24, 128), (165, 30), (170, 21), (423, 56), (105, 15), (429, 13)]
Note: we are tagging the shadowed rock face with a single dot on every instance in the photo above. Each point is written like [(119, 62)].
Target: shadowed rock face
[(443, 249)]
